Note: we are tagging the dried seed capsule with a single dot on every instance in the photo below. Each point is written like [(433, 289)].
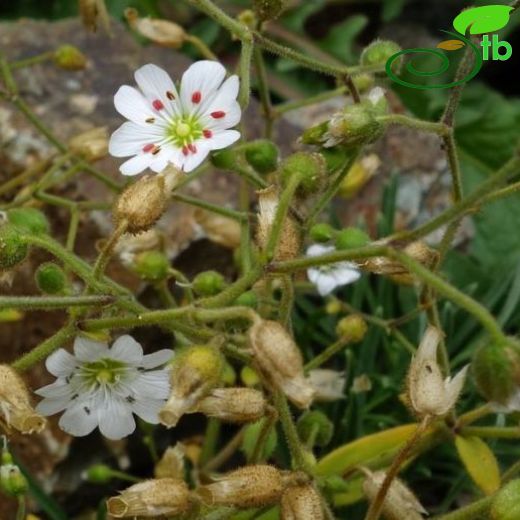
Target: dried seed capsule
[(301, 503), (151, 498), (280, 360), (162, 32), (171, 464), (251, 486), (15, 404), (94, 12), (92, 144), (234, 404)]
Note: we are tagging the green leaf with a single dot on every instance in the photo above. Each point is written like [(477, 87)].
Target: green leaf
[(480, 20), (392, 9), (480, 462), (341, 38)]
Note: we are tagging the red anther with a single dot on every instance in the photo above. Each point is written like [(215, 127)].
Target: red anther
[(185, 150), (219, 114), (207, 134), (148, 147), (170, 95), (192, 147), (157, 104), (196, 97)]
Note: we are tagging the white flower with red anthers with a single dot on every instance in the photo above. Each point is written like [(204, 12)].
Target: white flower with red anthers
[(180, 127)]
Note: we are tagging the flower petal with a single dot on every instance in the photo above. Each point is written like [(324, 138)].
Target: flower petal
[(325, 284), (148, 409), (156, 359), (115, 418), (318, 250), (60, 388), (130, 103), (203, 77), (80, 418), (346, 273), (153, 384), (61, 363), (53, 406), (130, 138), (127, 349), (87, 350), (195, 159), (136, 164), (223, 139), (230, 117)]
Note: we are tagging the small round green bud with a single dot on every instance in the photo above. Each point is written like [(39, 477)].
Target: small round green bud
[(50, 278), (309, 167), (333, 306), (262, 155), (69, 57), (248, 18), (152, 266), (352, 328), (13, 250), (351, 238), (224, 159), (496, 369), (208, 283), (321, 232), (249, 377), (363, 82), (506, 503), (378, 52), (355, 126), (30, 220), (99, 474), (315, 428), (229, 376), (12, 480), (248, 299), (251, 437), (268, 9)]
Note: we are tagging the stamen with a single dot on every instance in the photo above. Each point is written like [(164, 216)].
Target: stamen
[(192, 148), (207, 134), (170, 95), (148, 147), (157, 104), (185, 150), (150, 120), (219, 114), (157, 150), (196, 97)]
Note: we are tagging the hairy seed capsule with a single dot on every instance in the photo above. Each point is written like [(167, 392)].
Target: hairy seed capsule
[(13, 250), (92, 144), (68, 57), (50, 278), (161, 32), (301, 503)]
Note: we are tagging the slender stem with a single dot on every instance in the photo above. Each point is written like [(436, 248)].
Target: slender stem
[(474, 415), (288, 106), (244, 71), (263, 90), (326, 354), (201, 47), (417, 124), (52, 302), (219, 210), (225, 453), (20, 513), (108, 249), (245, 231), (211, 437), (73, 229), (234, 27), (23, 177), (121, 475), (475, 511), (492, 432), (287, 301), (33, 60)]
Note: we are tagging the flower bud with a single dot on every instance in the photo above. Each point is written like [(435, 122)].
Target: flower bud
[(315, 428), (235, 405), (496, 370), (50, 278), (162, 32), (352, 328), (93, 12), (315, 134), (99, 474), (15, 404), (208, 283), (30, 220), (363, 82), (321, 233), (378, 52), (249, 377), (195, 372), (92, 144), (12, 480), (301, 503), (171, 464), (280, 361), (248, 487), (428, 392), (262, 155), (333, 306), (506, 503), (290, 239), (224, 159), (69, 57), (252, 433), (151, 498), (13, 250), (141, 204), (311, 168), (152, 266), (268, 9), (247, 299), (399, 502), (351, 238)]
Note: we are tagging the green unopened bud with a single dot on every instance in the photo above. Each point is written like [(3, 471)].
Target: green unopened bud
[(152, 265), (247, 299), (378, 52), (496, 369), (30, 220), (50, 278), (224, 159), (251, 437), (249, 376), (315, 134), (195, 371), (13, 250), (352, 328), (262, 155), (351, 238), (333, 306), (69, 57), (208, 283), (248, 18), (322, 232), (229, 376), (506, 503), (99, 474), (363, 82), (315, 428), (268, 9), (309, 167), (12, 481)]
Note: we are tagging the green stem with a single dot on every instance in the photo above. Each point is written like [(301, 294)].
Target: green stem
[(33, 60), (492, 432), (326, 354), (20, 513), (244, 70), (211, 437), (234, 27), (245, 231), (283, 108), (201, 47), (263, 91), (108, 249), (52, 302), (417, 124), (476, 511), (219, 210)]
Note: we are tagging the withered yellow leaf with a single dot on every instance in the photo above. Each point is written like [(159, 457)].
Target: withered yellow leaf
[(451, 45)]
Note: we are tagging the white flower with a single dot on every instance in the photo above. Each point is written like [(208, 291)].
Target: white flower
[(98, 386), (328, 384), (178, 127), (327, 277)]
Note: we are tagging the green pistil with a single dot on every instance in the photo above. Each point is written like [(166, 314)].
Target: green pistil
[(103, 371), (184, 130)]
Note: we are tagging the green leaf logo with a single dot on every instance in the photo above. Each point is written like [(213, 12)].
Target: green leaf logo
[(480, 20)]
